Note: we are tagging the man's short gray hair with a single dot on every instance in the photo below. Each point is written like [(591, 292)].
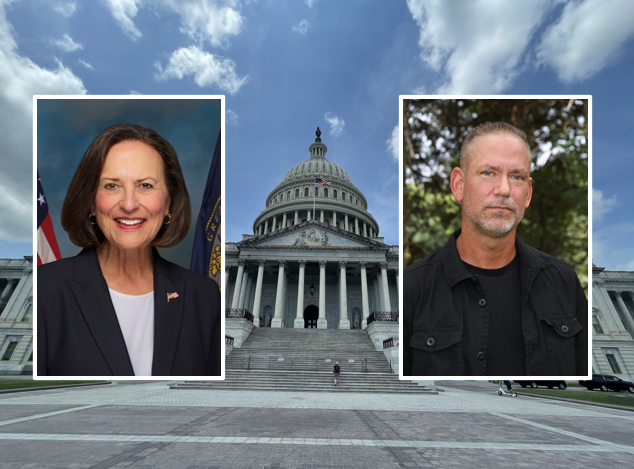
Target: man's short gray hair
[(488, 128)]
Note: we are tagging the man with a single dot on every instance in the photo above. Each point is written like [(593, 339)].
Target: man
[(486, 304)]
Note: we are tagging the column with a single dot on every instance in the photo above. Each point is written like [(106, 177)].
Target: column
[(344, 322), (346, 222), (296, 217), (365, 230), (627, 317), (258, 293), (334, 219), (274, 226), (379, 290), (266, 227), (356, 226), (243, 290), (284, 221), (6, 293), (247, 297), (322, 323), (364, 295), (308, 212), (236, 291), (227, 274), (279, 300), (386, 291), (321, 216), (299, 318)]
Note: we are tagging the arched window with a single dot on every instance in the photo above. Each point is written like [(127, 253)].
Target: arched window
[(275, 199), (288, 195), (316, 191), (350, 198), (325, 192), (281, 196), (306, 192), (343, 196), (334, 193), (296, 193)]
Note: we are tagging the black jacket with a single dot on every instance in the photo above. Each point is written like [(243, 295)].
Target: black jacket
[(439, 290), (78, 333)]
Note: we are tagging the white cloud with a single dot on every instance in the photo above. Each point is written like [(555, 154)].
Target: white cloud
[(601, 205), (123, 11), (134, 92), (67, 44), (231, 117), (66, 9), (337, 125), (302, 27), (86, 64), (20, 79), (211, 20), (478, 44), (392, 143), (310, 3), (587, 37), (207, 69)]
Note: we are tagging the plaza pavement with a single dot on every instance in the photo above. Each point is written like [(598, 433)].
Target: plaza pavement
[(147, 425)]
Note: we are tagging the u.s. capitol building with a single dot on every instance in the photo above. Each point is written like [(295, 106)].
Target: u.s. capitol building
[(315, 258)]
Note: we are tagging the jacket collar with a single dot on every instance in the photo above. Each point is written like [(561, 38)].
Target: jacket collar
[(91, 293), (531, 261), (93, 298)]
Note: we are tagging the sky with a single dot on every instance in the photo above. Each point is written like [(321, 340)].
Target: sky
[(287, 67)]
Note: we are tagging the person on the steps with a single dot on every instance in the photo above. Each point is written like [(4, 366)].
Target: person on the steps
[(336, 373)]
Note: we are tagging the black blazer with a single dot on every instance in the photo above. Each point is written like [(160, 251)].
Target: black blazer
[(78, 333)]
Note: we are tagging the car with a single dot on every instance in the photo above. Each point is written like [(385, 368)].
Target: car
[(549, 384), (607, 382)]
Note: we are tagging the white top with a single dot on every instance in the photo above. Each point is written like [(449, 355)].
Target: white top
[(136, 319)]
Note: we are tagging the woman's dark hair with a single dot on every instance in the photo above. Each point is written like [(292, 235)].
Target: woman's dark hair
[(83, 188)]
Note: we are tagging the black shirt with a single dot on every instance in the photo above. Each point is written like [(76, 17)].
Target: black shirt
[(439, 290), (505, 341)]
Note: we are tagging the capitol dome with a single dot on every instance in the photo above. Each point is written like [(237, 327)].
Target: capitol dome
[(296, 200)]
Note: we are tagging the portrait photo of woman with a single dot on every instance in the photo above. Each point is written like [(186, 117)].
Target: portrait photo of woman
[(118, 308)]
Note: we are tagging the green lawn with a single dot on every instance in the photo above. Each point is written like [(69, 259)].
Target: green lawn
[(615, 398), (27, 383)]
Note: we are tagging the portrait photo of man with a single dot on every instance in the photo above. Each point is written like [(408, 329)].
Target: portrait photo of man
[(482, 301)]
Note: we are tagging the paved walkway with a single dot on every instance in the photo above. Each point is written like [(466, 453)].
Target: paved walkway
[(148, 425)]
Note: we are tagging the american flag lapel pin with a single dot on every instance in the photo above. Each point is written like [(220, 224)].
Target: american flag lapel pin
[(171, 296)]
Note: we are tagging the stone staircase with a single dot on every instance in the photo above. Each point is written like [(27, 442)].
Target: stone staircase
[(302, 360)]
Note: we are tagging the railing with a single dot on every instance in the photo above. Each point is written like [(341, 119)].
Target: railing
[(382, 316), (388, 343), (239, 313), (228, 340), (253, 362)]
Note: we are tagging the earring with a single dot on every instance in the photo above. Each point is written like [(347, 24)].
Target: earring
[(168, 221), (95, 218)]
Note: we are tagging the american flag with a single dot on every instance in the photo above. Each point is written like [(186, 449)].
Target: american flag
[(321, 182), (171, 296), (47, 249)]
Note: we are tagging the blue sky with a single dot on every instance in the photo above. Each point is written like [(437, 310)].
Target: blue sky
[(290, 66)]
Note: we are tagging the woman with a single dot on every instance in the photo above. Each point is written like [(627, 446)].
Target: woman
[(118, 308)]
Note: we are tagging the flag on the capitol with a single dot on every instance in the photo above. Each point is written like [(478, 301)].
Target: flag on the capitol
[(321, 182), (47, 249), (206, 254)]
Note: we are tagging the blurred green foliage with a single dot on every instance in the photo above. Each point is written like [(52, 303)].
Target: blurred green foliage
[(556, 221)]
